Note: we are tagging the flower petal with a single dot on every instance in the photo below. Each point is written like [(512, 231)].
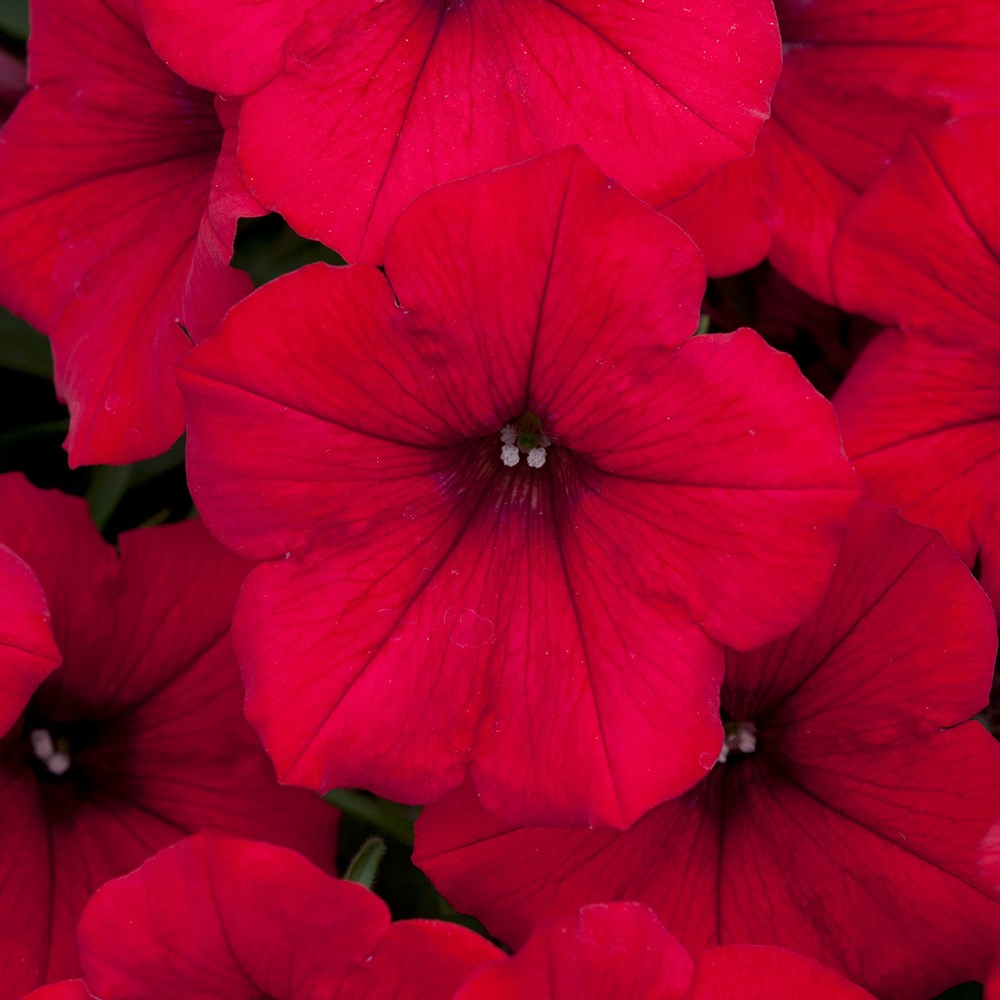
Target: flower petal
[(28, 652)]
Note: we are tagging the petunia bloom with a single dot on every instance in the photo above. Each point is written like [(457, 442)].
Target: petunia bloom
[(118, 211), (137, 739), (857, 75), (621, 951), (920, 408), (845, 815), (212, 918), (355, 108), (507, 503)]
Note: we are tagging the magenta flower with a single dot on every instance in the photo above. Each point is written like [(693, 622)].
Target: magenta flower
[(137, 739), (845, 815), (217, 919), (621, 951), (356, 108), (857, 75), (118, 210), (921, 407), (507, 503)]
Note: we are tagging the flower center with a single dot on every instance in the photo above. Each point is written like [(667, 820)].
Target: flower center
[(524, 437), (54, 754), (741, 738)]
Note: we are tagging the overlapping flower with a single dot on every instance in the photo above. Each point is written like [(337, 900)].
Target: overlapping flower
[(836, 799), (137, 739)]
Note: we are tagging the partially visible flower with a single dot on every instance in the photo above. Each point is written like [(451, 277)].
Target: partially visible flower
[(507, 502), (621, 951), (857, 75), (355, 108), (844, 817), (118, 208), (921, 407), (212, 918), (137, 739)]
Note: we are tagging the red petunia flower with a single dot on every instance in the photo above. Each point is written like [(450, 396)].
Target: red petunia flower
[(844, 816), (621, 951), (118, 211), (138, 739), (358, 107), (857, 75), (217, 919), (508, 502), (920, 408)]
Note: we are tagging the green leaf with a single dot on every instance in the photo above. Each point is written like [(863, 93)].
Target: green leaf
[(387, 817), (14, 18), (110, 483), (23, 349)]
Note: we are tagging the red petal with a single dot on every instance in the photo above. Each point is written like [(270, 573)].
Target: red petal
[(28, 652), (729, 216), (922, 249), (212, 918), (722, 438), (613, 952), (72, 989), (755, 972), (919, 418)]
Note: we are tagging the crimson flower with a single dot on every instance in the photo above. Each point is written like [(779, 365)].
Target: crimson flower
[(212, 918), (507, 502), (845, 814), (856, 77), (137, 739), (920, 407), (118, 211), (355, 108), (621, 951)]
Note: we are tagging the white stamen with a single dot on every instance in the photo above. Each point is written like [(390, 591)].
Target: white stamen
[(543, 440), (58, 763), (508, 434), (536, 458), (510, 455), (41, 743), (744, 739)]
